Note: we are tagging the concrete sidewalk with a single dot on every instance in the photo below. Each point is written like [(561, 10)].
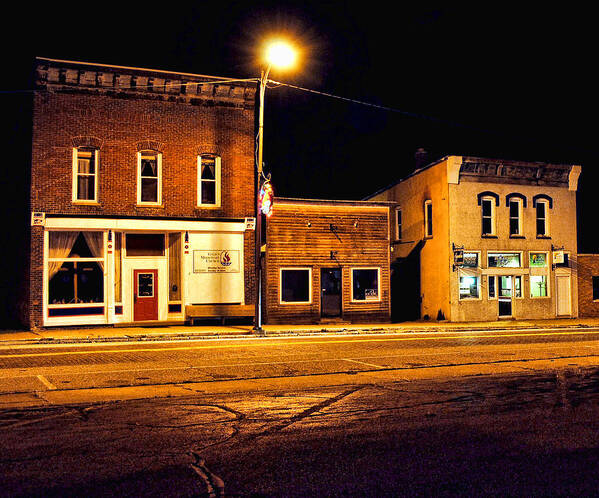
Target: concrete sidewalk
[(186, 332)]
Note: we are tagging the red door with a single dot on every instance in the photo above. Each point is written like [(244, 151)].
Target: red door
[(145, 295)]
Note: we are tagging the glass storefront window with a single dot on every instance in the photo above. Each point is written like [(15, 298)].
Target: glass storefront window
[(469, 287), (538, 259), (145, 244), (365, 284), (504, 260), (470, 260), (295, 285), (75, 267), (538, 286)]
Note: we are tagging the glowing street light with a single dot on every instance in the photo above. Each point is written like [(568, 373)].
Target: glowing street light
[(280, 55)]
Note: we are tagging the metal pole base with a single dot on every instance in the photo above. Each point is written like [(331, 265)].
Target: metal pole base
[(258, 331)]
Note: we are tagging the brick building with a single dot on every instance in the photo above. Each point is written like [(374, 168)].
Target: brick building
[(327, 261), (482, 239), (588, 285), (141, 183)]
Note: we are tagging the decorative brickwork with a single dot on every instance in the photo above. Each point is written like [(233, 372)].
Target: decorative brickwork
[(119, 112)]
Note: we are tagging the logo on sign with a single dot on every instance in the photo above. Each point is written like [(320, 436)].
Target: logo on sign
[(225, 258)]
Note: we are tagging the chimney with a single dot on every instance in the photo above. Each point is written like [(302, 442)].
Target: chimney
[(420, 158)]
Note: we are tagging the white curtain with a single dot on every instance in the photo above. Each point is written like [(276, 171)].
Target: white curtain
[(61, 244), (95, 242)]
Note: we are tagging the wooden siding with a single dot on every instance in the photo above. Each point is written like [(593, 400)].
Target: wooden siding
[(318, 235)]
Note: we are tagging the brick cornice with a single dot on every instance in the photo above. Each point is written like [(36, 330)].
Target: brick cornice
[(69, 76)]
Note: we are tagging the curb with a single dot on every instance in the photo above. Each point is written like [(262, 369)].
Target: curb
[(278, 333)]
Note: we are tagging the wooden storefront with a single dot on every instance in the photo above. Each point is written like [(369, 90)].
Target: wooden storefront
[(327, 261)]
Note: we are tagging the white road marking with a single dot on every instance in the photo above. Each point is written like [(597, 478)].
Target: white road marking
[(363, 363), (46, 382)]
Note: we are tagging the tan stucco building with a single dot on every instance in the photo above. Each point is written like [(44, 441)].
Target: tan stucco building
[(483, 239)]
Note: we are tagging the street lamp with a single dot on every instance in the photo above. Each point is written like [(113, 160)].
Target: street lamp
[(281, 55)]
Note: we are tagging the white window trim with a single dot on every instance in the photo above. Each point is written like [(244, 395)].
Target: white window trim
[(294, 303), (427, 235), (520, 232), (521, 296), (478, 276), (75, 173), (493, 232), (490, 253), (378, 281), (545, 202), (159, 188), (72, 320), (217, 174), (546, 253), (479, 255), (547, 283), (398, 231)]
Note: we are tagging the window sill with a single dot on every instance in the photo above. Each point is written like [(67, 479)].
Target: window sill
[(148, 205), (483, 236), (86, 203), (517, 237), (547, 237), (207, 206)]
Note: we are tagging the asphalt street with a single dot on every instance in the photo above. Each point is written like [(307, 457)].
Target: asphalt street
[(447, 413)]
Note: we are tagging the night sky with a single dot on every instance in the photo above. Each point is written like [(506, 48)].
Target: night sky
[(511, 82)]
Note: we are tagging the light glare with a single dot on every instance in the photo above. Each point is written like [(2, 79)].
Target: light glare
[(280, 54)]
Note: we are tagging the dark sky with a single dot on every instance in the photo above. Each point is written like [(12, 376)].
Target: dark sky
[(503, 82)]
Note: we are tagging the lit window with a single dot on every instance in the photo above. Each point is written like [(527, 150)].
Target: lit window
[(398, 223), (296, 285), (428, 218), (209, 180), (75, 268), (365, 284), (149, 178), (85, 175), (517, 286), (488, 216), (503, 260), (538, 286), (538, 259), (542, 221), (470, 260), (469, 287), (515, 210)]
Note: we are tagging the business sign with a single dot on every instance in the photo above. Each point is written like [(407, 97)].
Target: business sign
[(216, 261), (38, 219), (558, 257), (250, 223)]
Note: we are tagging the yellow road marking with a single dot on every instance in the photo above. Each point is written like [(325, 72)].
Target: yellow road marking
[(267, 344)]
